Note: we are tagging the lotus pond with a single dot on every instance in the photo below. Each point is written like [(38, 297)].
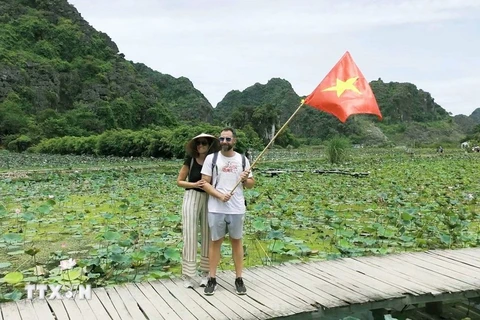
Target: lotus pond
[(120, 218)]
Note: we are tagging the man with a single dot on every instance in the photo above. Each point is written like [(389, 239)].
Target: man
[(226, 211)]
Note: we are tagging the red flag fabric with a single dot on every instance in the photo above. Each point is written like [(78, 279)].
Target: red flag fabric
[(344, 92)]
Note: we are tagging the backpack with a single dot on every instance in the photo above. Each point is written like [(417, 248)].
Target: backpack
[(214, 166)]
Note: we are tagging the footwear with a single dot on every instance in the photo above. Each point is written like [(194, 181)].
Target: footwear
[(211, 287), (240, 286), (204, 279), (187, 282)]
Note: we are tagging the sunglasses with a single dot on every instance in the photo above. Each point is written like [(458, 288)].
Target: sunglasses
[(228, 139), (201, 143)]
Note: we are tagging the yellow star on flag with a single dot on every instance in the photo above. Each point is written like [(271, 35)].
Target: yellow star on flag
[(341, 86)]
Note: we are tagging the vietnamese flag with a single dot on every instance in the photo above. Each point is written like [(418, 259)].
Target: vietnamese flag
[(344, 92)]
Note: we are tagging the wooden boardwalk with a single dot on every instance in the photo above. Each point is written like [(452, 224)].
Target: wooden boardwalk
[(307, 290)]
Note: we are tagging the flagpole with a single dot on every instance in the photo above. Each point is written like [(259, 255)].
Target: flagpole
[(271, 141)]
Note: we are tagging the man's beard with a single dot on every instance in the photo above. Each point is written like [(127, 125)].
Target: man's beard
[(227, 147)]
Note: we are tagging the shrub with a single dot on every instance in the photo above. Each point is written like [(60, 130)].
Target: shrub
[(337, 149), (20, 144)]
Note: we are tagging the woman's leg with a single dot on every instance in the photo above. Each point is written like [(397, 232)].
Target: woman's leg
[(190, 214), (205, 242)]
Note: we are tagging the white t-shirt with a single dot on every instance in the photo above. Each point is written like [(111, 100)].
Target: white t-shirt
[(227, 176)]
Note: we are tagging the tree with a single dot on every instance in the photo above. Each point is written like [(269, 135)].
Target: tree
[(265, 121), (13, 119)]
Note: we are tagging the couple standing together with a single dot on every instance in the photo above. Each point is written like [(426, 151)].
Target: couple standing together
[(209, 174)]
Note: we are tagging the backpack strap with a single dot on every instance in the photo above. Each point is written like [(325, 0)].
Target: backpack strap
[(190, 170), (214, 167), (243, 162)]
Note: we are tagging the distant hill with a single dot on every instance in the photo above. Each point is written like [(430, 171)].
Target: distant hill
[(475, 116), (400, 103), (465, 123), (59, 76), (404, 102)]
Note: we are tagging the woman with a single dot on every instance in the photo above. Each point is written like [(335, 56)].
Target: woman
[(195, 207)]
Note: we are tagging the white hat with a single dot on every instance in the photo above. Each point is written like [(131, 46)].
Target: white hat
[(191, 148)]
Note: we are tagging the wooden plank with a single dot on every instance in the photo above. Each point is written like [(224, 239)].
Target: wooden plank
[(158, 302), (42, 310), (246, 310), (460, 267), (413, 273), (386, 276), (74, 313), (179, 309), (300, 291), (227, 309), (414, 283), (369, 274), (323, 285), (277, 289), (245, 301), (182, 297), (97, 307), (85, 309), (27, 312), (271, 301), (468, 255), (145, 305), (272, 291), (460, 258), (305, 285), (471, 252), (118, 304), (441, 281), (357, 290), (450, 270), (256, 274), (373, 288), (214, 310), (104, 299), (58, 309), (129, 302), (407, 273), (10, 311), (227, 282)]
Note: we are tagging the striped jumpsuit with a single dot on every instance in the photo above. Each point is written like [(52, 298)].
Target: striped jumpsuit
[(194, 209)]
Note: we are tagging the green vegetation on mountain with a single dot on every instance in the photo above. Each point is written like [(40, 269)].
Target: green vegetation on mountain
[(465, 123), (270, 105), (404, 102), (59, 77), (410, 115), (475, 116)]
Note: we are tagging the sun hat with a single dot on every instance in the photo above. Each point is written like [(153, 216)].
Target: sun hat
[(214, 144)]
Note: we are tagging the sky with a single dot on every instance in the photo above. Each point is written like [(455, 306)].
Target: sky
[(224, 45)]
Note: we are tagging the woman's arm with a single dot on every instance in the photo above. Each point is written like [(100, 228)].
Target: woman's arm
[(182, 176)]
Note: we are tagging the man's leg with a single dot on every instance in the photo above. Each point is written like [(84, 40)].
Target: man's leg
[(235, 231), (214, 256), (217, 224), (237, 252)]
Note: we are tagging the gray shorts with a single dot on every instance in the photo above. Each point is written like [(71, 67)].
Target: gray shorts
[(221, 223)]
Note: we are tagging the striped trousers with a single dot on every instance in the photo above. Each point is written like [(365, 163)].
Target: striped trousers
[(194, 208)]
